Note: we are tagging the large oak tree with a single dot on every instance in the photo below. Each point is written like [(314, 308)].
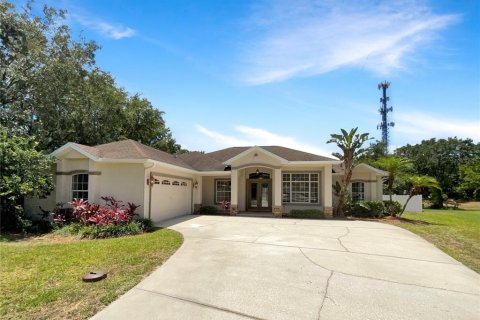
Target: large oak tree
[(51, 87)]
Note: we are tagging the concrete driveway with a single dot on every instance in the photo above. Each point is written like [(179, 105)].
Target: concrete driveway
[(267, 268)]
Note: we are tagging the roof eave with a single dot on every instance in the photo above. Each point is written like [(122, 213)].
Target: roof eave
[(316, 162), (73, 146)]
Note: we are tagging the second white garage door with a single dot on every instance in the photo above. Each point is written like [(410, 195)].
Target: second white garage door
[(171, 197)]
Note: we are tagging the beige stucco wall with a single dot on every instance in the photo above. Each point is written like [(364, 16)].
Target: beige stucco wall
[(208, 189), (122, 181), (372, 183)]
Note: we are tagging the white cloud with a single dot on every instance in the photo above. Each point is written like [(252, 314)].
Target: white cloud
[(248, 136), (419, 125), (309, 37), (115, 31)]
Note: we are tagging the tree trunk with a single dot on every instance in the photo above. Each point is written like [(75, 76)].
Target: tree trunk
[(340, 212), (405, 205)]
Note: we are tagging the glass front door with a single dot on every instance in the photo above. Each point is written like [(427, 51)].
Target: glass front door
[(259, 194)]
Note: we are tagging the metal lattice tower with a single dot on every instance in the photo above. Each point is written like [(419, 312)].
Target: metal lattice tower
[(384, 110)]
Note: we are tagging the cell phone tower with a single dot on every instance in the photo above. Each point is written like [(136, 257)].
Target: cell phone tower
[(384, 110)]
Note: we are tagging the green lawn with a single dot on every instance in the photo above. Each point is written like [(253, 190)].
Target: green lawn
[(41, 278), (456, 232)]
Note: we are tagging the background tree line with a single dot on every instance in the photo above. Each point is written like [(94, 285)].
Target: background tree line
[(453, 162)]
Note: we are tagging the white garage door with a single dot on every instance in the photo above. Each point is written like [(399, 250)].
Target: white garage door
[(171, 197)]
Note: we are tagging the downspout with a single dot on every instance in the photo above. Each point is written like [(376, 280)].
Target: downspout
[(150, 185)]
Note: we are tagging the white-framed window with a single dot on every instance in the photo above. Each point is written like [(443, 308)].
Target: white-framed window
[(184, 184), (80, 186), (358, 191), (223, 190), (300, 188), (175, 183), (166, 182)]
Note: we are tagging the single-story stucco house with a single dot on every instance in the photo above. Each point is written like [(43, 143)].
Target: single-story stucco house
[(269, 178)]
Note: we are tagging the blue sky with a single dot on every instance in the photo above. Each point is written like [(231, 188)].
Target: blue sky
[(291, 72)]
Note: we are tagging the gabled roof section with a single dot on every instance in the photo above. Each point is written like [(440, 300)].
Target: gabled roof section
[(338, 169), (256, 150), (228, 153), (124, 150), (89, 152), (296, 155)]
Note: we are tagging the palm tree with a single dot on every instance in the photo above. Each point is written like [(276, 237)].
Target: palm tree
[(419, 182), (351, 145), (395, 166)]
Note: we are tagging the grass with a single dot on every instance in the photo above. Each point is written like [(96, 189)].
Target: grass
[(41, 278), (456, 232)]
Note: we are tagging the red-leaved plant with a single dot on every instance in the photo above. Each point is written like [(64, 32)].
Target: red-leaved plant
[(114, 212), (225, 204)]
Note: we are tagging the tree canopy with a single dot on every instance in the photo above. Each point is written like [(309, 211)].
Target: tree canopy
[(51, 87), (442, 160)]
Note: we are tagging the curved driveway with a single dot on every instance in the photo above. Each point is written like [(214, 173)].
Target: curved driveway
[(267, 268)]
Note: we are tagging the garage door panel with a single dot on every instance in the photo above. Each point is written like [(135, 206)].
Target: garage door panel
[(171, 197)]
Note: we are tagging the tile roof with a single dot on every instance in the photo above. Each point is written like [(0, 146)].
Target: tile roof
[(213, 161)]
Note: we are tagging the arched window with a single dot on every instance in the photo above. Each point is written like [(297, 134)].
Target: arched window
[(259, 175), (166, 182), (184, 184), (358, 191), (175, 183), (80, 186)]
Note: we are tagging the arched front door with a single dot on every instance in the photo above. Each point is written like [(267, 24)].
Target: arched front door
[(259, 192)]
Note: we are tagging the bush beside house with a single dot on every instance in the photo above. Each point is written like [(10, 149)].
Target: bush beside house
[(94, 221), (307, 214)]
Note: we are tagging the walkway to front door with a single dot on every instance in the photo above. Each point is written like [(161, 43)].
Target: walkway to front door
[(259, 195)]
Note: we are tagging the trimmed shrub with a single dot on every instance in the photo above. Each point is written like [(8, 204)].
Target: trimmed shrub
[(392, 208), (71, 229), (208, 210), (106, 231), (307, 214), (368, 209), (145, 224)]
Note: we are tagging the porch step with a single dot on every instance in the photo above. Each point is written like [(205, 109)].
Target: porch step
[(255, 214)]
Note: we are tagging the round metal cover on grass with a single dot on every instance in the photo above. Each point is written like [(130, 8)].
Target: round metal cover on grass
[(93, 276)]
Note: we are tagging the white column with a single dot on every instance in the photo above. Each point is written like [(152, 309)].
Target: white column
[(93, 183), (60, 184), (234, 192), (373, 187), (327, 190), (277, 188), (277, 192)]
